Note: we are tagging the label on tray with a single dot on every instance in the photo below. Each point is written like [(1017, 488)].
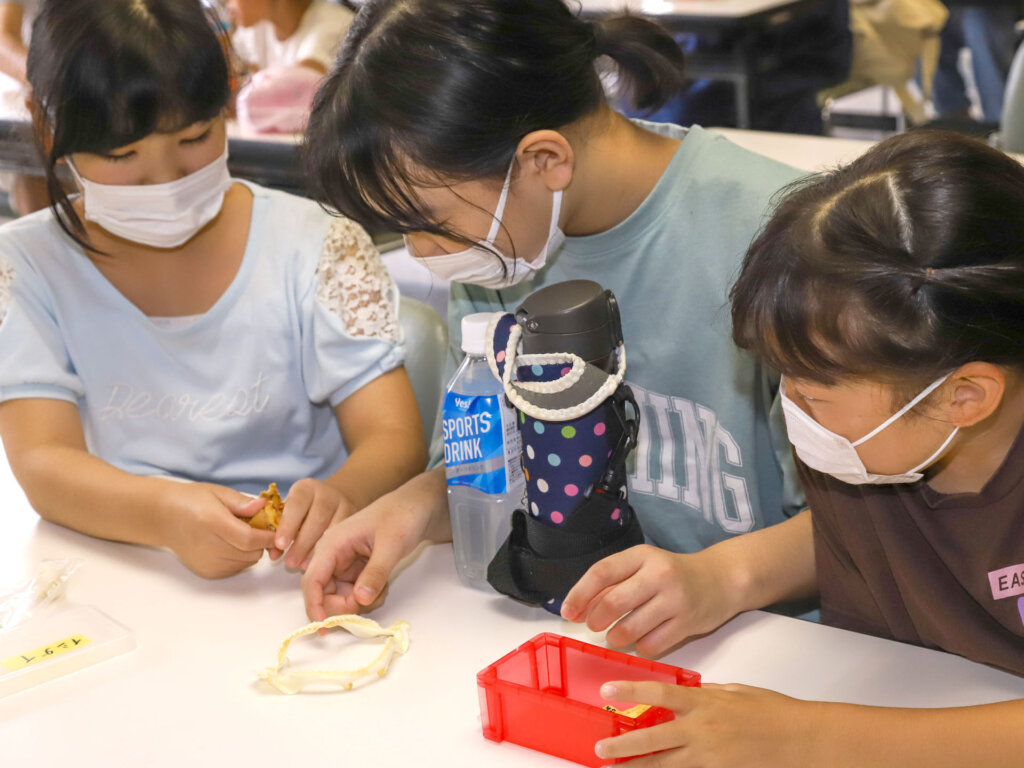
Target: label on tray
[(635, 711), (45, 652)]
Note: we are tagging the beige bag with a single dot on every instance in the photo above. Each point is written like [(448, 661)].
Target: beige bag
[(889, 38)]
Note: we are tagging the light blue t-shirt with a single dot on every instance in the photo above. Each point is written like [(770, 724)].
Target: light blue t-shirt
[(242, 395), (712, 459)]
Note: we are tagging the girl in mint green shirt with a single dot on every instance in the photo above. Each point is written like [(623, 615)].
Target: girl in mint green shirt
[(430, 107)]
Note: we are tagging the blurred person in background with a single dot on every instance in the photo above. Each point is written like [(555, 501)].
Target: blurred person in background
[(986, 28), (27, 193), (288, 33)]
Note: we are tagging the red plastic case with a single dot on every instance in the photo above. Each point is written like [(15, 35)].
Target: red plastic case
[(545, 695)]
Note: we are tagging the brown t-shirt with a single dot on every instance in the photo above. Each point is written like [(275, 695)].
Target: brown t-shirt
[(908, 563)]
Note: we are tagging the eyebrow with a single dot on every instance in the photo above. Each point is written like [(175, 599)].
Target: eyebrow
[(189, 127), (793, 388)]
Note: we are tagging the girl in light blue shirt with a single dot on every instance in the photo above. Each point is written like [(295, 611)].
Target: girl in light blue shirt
[(173, 322)]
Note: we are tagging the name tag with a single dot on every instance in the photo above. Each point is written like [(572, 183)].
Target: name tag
[(1007, 582)]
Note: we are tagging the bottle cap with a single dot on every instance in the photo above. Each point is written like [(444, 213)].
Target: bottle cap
[(474, 333), (577, 316)]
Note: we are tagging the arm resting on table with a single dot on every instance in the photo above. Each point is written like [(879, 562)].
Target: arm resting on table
[(65, 484)]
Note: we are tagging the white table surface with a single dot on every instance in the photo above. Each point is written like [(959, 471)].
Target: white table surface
[(811, 153), (711, 9), (188, 694)]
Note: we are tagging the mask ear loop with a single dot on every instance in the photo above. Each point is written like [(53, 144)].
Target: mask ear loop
[(292, 682), (499, 211), (931, 388), (76, 174), (935, 456)]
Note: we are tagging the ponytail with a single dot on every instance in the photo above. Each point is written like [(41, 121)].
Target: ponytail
[(448, 88), (650, 63)]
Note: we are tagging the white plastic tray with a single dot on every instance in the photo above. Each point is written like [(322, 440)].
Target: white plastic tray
[(58, 643)]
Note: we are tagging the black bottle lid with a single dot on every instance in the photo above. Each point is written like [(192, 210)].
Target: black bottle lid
[(577, 316)]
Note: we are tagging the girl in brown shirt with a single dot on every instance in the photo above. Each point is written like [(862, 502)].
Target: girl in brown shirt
[(890, 295)]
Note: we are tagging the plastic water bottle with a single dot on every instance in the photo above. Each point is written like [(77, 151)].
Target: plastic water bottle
[(482, 456)]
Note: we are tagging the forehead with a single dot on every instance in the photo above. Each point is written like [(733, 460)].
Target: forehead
[(440, 198), (443, 189), (854, 391), (174, 133)]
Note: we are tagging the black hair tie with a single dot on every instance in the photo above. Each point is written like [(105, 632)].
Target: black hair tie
[(921, 278)]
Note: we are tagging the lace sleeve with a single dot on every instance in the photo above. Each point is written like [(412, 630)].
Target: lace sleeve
[(354, 285), (6, 279)]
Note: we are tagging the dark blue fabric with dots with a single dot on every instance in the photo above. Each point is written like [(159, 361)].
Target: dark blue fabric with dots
[(562, 460)]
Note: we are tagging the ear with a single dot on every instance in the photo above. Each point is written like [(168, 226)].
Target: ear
[(976, 391), (548, 155)]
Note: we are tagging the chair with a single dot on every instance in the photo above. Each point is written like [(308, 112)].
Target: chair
[(1012, 121), (426, 345)]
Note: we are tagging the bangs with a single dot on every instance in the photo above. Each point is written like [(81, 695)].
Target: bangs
[(107, 74), (825, 324), (135, 82), (790, 327), (391, 116), (366, 176), (360, 164)]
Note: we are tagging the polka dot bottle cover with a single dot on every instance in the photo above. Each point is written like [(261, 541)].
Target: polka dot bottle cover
[(562, 460)]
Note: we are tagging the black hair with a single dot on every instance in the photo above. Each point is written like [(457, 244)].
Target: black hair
[(900, 267), (450, 87), (106, 73)]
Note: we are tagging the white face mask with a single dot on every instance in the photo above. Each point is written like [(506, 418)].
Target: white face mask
[(478, 265), (834, 455), (159, 215)]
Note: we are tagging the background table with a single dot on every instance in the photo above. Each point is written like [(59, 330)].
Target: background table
[(188, 694), (810, 153), (714, 13)]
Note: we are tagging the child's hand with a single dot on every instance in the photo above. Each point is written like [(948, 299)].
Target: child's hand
[(716, 726), (668, 597), (311, 507), (206, 532), (351, 565)]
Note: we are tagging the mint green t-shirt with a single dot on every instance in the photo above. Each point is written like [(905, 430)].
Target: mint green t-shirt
[(712, 459)]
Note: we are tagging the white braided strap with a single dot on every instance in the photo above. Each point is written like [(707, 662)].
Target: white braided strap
[(579, 365), (606, 390)]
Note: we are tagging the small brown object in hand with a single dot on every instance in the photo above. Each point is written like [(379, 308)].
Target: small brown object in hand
[(268, 518)]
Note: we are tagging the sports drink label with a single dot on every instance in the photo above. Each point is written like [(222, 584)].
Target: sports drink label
[(482, 446)]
